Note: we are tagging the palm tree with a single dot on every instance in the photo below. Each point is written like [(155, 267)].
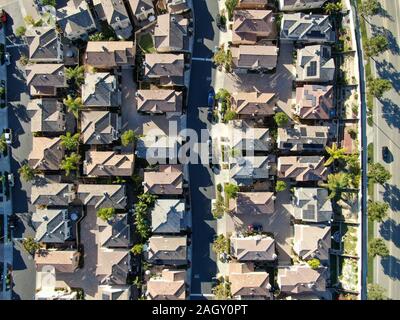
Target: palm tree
[(69, 141), (26, 172), (337, 183), (77, 74), (70, 163), (73, 105), (335, 153)]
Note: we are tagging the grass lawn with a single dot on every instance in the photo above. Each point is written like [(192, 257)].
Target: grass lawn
[(146, 43), (349, 240), (370, 275)]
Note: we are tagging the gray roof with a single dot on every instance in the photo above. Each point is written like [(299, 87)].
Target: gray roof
[(52, 225), (168, 216), (303, 137), (168, 250), (99, 127), (312, 28), (102, 195), (44, 44), (248, 169), (312, 205), (297, 5), (117, 232), (52, 194), (315, 64), (119, 271), (100, 90), (47, 115)]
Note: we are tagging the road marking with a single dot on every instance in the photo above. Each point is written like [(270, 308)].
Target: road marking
[(15, 45), (201, 59)]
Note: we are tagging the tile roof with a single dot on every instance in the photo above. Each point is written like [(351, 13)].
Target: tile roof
[(312, 241), (45, 78), (159, 101), (99, 127), (168, 216), (296, 5), (100, 90), (249, 26), (253, 103), (167, 67), (102, 195), (303, 137), (244, 137), (53, 225), (171, 33), (47, 115), (46, 153), (302, 168), (253, 203), (44, 44), (110, 54), (247, 169), (52, 194), (312, 205), (169, 286), (168, 250), (168, 180), (315, 64), (115, 233), (65, 261), (314, 102), (253, 248), (254, 57), (108, 163)]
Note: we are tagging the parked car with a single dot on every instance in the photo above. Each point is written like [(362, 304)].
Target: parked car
[(211, 98), (8, 135), (7, 58), (11, 179), (385, 154)]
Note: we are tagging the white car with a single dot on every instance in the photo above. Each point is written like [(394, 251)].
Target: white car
[(8, 135), (11, 179), (7, 58)]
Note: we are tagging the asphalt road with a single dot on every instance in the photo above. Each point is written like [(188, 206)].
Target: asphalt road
[(204, 266), (387, 133)]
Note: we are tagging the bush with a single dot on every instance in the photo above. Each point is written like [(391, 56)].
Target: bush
[(106, 213), (377, 247), (128, 137), (280, 186), (281, 119), (231, 190), (20, 31), (137, 249), (314, 263), (219, 187)]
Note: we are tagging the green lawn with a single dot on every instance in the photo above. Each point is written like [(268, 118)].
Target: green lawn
[(349, 240), (370, 259), (146, 43)]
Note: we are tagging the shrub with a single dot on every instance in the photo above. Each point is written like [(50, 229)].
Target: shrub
[(314, 263), (280, 186), (106, 213), (281, 119)]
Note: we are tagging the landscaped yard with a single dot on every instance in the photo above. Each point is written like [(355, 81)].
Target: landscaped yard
[(349, 274), (349, 240), (146, 43)]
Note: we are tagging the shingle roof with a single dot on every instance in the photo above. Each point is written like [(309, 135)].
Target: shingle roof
[(110, 54), (253, 103), (303, 137), (102, 195), (312, 205), (46, 153), (315, 64), (168, 250), (169, 286), (168, 216), (253, 203), (115, 233), (53, 225), (100, 90), (44, 44), (312, 241), (167, 180), (99, 127), (108, 164), (253, 248), (45, 78), (159, 101), (247, 169), (52, 194), (170, 33), (302, 168), (254, 56), (314, 102), (167, 67), (47, 115), (251, 25)]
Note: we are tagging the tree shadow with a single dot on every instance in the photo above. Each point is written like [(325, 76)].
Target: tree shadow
[(386, 70), (390, 112), (393, 45), (390, 231), (21, 112), (384, 14), (391, 267), (391, 195)]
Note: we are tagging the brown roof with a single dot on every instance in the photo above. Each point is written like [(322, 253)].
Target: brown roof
[(46, 153), (302, 168), (108, 163), (159, 101), (247, 283), (169, 286), (314, 102), (252, 3), (47, 115), (250, 26), (253, 203), (167, 67), (254, 57), (61, 260), (169, 250), (170, 33), (167, 180), (312, 241), (110, 54), (253, 103), (44, 44), (99, 127), (45, 78), (253, 248)]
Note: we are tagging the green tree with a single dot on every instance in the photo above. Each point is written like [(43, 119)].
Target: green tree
[(281, 119), (137, 249), (377, 247), (30, 245), (228, 60), (370, 7), (314, 263), (333, 8), (376, 292), (23, 60), (26, 173), (219, 57), (231, 190), (20, 31), (336, 184), (69, 141), (76, 74), (377, 87), (219, 207), (335, 153), (3, 143), (376, 45), (221, 245), (377, 211), (229, 115), (378, 174), (29, 20), (48, 3), (144, 203), (70, 163), (280, 186), (128, 137), (106, 213), (73, 105), (230, 7), (222, 291)]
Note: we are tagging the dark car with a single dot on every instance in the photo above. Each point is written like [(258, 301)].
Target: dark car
[(3, 16), (211, 98), (385, 154)]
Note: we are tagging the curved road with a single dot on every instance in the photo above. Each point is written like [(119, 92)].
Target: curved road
[(201, 179)]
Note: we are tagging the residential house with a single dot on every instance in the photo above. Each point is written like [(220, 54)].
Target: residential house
[(307, 28), (46, 153), (110, 54), (311, 205), (100, 127), (75, 20), (301, 279), (115, 233), (47, 115), (65, 261), (108, 164), (52, 290), (168, 216), (312, 241), (142, 10), (52, 194), (52, 225), (254, 58), (113, 265), (248, 139), (44, 45), (155, 101), (315, 64), (171, 33), (253, 203), (253, 248), (167, 180), (43, 79), (253, 104), (248, 284), (253, 26), (245, 171), (102, 195), (302, 168), (165, 69), (303, 138), (176, 6), (314, 102), (101, 90), (252, 4), (167, 250), (169, 286), (115, 292), (300, 5), (114, 12)]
